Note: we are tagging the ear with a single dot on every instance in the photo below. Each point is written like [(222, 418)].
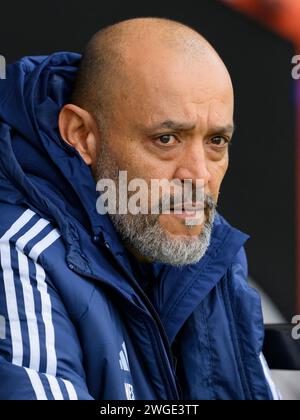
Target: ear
[(79, 129)]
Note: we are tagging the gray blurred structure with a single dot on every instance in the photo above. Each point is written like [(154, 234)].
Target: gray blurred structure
[(287, 382)]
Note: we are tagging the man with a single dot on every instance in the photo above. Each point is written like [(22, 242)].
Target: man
[(122, 305)]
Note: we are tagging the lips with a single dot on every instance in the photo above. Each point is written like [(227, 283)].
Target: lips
[(189, 208)]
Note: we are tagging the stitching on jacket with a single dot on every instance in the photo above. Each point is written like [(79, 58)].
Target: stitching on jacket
[(234, 334), (237, 315), (211, 363)]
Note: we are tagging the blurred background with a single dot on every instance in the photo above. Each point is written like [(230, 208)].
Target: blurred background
[(257, 39)]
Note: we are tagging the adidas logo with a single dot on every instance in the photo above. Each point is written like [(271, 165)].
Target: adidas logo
[(124, 365), (2, 328)]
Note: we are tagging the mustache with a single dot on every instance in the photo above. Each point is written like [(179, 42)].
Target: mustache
[(208, 203)]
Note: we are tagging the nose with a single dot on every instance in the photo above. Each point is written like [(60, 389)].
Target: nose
[(193, 164)]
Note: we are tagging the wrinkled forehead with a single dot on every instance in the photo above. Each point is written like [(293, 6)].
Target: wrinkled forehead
[(172, 86)]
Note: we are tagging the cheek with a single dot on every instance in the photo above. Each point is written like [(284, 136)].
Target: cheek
[(142, 164), (218, 171), (133, 154), (126, 158)]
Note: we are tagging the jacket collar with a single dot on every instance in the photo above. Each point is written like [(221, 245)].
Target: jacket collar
[(178, 290)]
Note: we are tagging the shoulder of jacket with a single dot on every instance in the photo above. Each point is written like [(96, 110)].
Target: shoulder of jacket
[(26, 230)]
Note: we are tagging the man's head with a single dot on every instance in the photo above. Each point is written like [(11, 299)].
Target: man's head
[(153, 98)]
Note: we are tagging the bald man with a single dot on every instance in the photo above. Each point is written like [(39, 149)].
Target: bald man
[(101, 297)]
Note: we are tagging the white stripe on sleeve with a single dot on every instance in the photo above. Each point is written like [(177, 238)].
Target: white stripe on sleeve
[(36, 384), (44, 244), (55, 388), (30, 310), (51, 367), (71, 390), (31, 319), (9, 286), (275, 393)]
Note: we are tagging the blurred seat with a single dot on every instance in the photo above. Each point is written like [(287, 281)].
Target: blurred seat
[(281, 349), (287, 381)]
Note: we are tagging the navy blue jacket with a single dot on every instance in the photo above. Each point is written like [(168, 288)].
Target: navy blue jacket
[(74, 321)]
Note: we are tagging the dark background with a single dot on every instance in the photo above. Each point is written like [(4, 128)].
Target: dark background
[(258, 195)]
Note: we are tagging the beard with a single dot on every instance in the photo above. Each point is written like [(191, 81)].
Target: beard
[(144, 234)]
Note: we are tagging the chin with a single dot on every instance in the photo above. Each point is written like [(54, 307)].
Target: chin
[(177, 227)]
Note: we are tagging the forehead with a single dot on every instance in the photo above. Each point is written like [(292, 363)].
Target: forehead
[(167, 87)]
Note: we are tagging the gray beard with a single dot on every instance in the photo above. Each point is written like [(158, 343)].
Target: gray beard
[(144, 234), (150, 240)]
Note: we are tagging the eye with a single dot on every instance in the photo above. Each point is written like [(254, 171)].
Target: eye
[(167, 140), (219, 141)]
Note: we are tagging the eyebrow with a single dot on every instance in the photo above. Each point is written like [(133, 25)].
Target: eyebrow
[(230, 128), (174, 125), (182, 126)]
